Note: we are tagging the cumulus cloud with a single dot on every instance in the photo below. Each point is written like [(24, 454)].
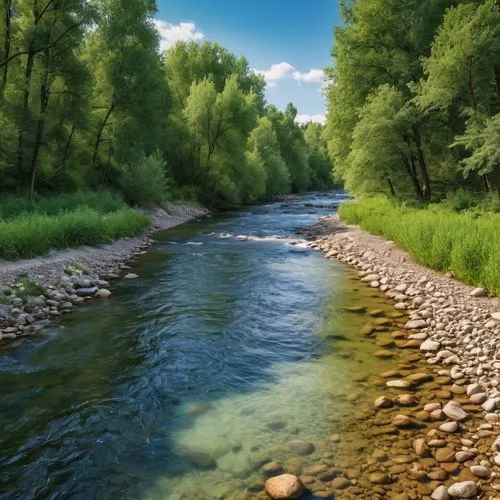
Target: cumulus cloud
[(302, 119), (170, 34), (312, 76), (283, 70), (276, 72)]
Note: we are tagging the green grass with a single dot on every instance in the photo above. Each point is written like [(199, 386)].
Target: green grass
[(437, 237), (35, 234), (101, 201)]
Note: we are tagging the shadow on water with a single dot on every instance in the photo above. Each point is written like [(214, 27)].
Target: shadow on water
[(226, 347)]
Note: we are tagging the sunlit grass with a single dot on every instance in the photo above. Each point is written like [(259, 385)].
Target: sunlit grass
[(468, 245), (32, 235)]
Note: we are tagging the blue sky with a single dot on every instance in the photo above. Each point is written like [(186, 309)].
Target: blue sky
[(288, 40)]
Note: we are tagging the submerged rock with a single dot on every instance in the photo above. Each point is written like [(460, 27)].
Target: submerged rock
[(199, 459), (284, 487), (301, 447)]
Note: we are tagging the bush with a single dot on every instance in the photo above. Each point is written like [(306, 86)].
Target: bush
[(467, 244), (145, 183), (32, 235)]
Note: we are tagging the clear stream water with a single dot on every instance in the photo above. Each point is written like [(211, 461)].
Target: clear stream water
[(225, 348)]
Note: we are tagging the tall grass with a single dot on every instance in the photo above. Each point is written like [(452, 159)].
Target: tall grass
[(100, 201), (437, 237), (32, 235)]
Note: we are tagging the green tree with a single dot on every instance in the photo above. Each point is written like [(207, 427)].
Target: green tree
[(319, 163)]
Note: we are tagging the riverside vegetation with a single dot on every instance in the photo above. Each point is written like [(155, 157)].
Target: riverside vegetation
[(414, 113), (87, 100)]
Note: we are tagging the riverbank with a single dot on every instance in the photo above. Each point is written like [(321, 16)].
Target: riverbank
[(35, 290), (456, 328)]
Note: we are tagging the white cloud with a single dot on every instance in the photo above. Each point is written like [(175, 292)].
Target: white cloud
[(170, 34), (283, 70), (302, 119), (276, 72), (312, 76)]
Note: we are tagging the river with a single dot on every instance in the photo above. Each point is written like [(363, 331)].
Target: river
[(185, 381)]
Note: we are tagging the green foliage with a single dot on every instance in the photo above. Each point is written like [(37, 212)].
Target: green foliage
[(414, 96), (36, 234), (145, 183), (100, 201), (436, 236)]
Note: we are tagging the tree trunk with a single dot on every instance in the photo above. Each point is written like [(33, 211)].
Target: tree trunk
[(391, 187), (67, 148), (24, 113), (412, 174), (44, 103), (426, 188), (100, 132), (6, 47)]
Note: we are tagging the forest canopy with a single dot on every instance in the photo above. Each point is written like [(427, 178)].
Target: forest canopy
[(87, 100), (414, 98)]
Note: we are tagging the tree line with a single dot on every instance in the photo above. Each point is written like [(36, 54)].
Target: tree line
[(87, 100), (414, 97)]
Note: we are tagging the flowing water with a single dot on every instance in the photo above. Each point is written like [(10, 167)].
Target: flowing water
[(233, 342)]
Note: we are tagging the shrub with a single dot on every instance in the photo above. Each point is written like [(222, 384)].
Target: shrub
[(145, 183), (466, 243)]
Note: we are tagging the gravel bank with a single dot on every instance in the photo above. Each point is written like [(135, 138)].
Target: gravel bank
[(35, 290)]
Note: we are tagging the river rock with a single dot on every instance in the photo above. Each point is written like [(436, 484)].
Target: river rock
[(285, 486), (440, 493), (4, 311), (480, 471), (465, 489), (453, 410), (86, 292), (199, 459), (479, 292), (130, 276), (430, 345), (383, 402), (103, 293), (415, 324), (421, 448), (340, 483), (445, 455), (271, 468), (380, 478), (402, 421), (496, 316), (449, 427), (398, 384), (301, 447)]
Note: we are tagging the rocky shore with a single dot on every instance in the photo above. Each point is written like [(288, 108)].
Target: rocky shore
[(434, 430), (36, 291)]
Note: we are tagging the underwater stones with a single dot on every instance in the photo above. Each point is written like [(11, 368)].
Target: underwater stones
[(276, 425), (271, 468), (402, 421), (340, 483), (465, 489), (199, 459), (419, 378), (445, 454), (407, 400), (440, 493), (130, 276), (380, 478), (421, 448), (384, 354), (301, 447), (103, 293), (284, 487), (355, 309), (377, 313), (449, 427), (398, 384), (383, 402), (367, 330), (453, 410)]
